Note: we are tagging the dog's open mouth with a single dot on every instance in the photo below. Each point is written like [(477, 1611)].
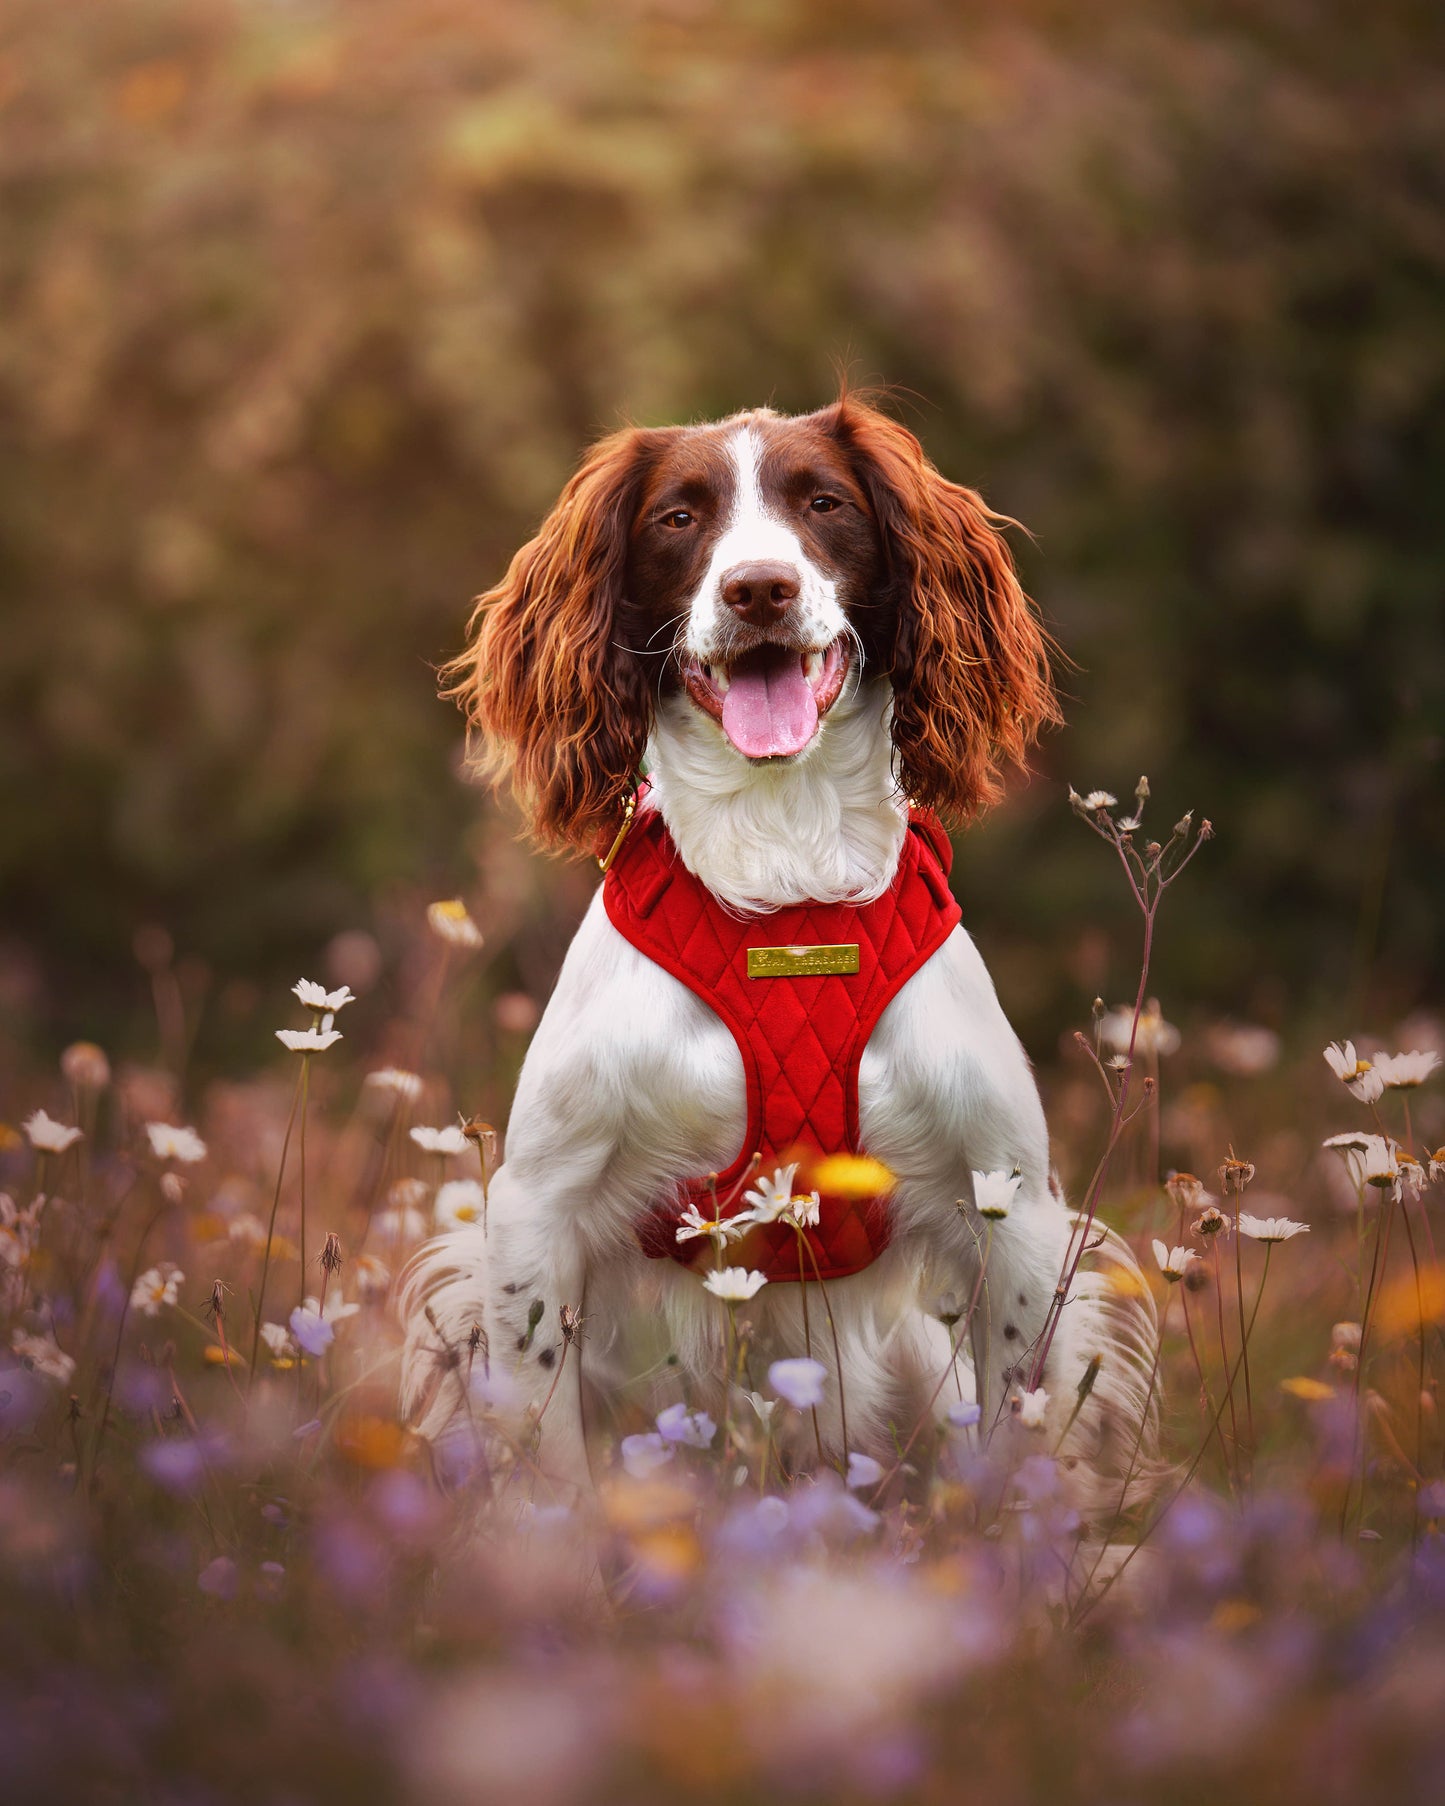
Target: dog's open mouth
[(770, 700)]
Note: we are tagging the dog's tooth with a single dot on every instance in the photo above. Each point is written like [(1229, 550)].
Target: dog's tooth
[(813, 667), (719, 675)]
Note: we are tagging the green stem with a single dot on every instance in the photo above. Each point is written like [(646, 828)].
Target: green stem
[(271, 1228)]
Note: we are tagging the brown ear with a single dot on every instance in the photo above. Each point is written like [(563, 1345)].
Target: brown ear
[(563, 709), (970, 660)]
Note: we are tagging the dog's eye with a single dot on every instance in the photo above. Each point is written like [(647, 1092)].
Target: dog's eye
[(824, 504), (678, 518)]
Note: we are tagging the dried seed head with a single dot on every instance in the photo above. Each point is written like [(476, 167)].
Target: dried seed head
[(1185, 1191), (1234, 1173), (85, 1066), (331, 1257), (1209, 1222), (216, 1303), (572, 1321)]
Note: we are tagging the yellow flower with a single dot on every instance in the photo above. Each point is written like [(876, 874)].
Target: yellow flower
[(1313, 1391), (450, 922), (852, 1176)]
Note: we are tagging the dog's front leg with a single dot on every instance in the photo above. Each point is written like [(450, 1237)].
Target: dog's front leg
[(1020, 1263), (535, 1290)]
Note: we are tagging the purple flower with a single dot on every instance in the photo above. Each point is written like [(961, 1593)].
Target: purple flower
[(643, 1455), (964, 1415), (177, 1464), (270, 1579), (863, 1470), (1431, 1500), (825, 1508), (310, 1329), (800, 1381), (218, 1578), (694, 1429)]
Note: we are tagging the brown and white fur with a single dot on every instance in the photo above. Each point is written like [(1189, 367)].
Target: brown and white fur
[(675, 560)]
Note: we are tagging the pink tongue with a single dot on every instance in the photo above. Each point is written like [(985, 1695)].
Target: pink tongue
[(770, 712)]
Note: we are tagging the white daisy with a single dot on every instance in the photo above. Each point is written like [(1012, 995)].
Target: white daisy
[(1412, 1174), (170, 1143), (994, 1192), (1153, 1036), (402, 1223), (692, 1223), (734, 1285), (459, 1203), (451, 923), (308, 1040), (372, 1278), (1398, 1072), (448, 1140), (1356, 1075), (1173, 1261), (337, 1309), (44, 1355), (405, 1085), (805, 1211), (769, 1199), (317, 997), (1270, 1229), (156, 1287), (47, 1135), (1030, 1408)]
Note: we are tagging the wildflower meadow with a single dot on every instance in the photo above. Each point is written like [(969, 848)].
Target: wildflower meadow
[(229, 1569), (307, 312)]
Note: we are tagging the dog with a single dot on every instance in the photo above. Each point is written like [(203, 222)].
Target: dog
[(816, 646)]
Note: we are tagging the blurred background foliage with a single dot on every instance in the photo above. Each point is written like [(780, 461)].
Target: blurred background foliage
[(307, 310)]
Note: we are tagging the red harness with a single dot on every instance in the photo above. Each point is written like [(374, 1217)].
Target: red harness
[(800, 1036)]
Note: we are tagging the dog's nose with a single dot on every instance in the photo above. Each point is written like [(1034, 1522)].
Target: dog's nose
[(761, 593)]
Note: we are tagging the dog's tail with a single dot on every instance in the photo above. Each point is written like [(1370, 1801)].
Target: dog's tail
[(1113, 1446), (439, 1301)]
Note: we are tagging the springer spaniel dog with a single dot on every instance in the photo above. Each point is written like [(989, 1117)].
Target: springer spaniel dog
[(814, 645)]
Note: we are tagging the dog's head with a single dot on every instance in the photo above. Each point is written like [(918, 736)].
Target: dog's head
[(747, 569)]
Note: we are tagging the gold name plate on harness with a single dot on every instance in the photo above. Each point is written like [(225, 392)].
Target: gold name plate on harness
[(801, 962)]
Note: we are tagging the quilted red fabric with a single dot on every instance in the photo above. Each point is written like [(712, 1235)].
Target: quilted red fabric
[(801, 1038)]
